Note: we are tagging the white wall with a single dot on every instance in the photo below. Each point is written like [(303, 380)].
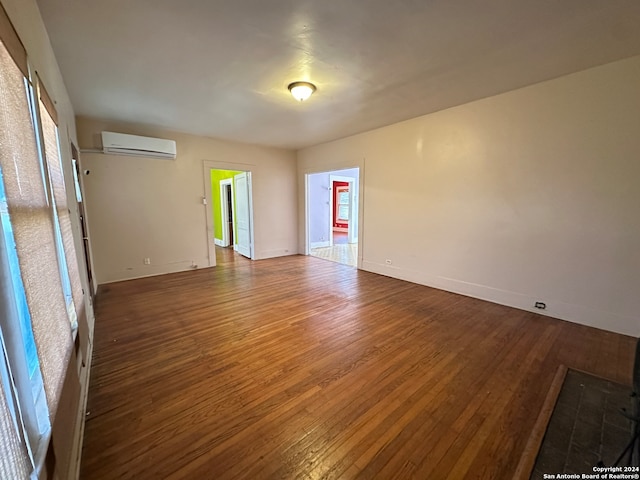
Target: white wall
[(529, 195), (148, 208)]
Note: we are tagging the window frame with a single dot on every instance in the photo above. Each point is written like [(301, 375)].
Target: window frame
[(25, 394), (37, 103), (30, 412), (339, 191)]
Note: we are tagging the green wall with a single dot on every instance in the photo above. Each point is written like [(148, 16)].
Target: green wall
[(216, 207)]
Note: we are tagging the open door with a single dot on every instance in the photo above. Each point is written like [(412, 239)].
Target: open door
[(224, 192), (242, 187), (353, 213)]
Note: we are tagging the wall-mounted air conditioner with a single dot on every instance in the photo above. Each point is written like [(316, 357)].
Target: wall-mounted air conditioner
[(123, 144)]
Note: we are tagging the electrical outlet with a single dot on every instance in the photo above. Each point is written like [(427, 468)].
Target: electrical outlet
[(147, 261), (388, 261), (540, 305)]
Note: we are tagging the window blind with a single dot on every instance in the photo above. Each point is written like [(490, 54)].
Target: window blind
[(54, 167), (33, 229), (14, 461)]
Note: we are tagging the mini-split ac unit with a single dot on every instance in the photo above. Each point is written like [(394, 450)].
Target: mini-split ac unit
[(123, 144)]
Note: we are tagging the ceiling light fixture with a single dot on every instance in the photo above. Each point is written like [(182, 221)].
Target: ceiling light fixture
[(301, 90)]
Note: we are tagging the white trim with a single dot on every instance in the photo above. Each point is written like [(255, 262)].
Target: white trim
[(331, 210), (220, 243), (303, 175), (224, 213), (226, 241), (352, 232), (556, 309), (207, 166), (250, 185), (185, 266), (76, 453), (208, 213), (306, 214)]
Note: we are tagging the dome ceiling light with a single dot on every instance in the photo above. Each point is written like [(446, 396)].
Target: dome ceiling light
[(301, 90)]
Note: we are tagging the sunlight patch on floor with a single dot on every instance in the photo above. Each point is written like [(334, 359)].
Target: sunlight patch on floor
[(347, 253)]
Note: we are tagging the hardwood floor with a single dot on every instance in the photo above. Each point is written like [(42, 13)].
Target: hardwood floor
[(298, 368)]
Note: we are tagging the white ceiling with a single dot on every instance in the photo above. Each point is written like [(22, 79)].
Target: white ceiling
[(221, 68)]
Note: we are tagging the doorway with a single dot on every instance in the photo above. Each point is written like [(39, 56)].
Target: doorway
[(332, 215), (227, 204), (229, 211)]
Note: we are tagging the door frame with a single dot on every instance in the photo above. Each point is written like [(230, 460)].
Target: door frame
[(305, 175), (207, 201), (224, 185), (85, 244), (351, 235)]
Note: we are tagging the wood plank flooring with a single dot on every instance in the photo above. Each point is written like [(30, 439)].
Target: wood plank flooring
[(299, 368)]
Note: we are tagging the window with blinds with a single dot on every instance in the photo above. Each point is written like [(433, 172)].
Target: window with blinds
[(14, 461), (70, 273), (34, 232), (41, 294)]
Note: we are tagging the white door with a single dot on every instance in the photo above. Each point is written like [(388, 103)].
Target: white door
[(243, 224), (352, 236)]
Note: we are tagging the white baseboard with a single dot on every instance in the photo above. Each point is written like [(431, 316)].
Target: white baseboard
[(283, 252), (324, 243), (152, 270), (557, 309), (219, 242)]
